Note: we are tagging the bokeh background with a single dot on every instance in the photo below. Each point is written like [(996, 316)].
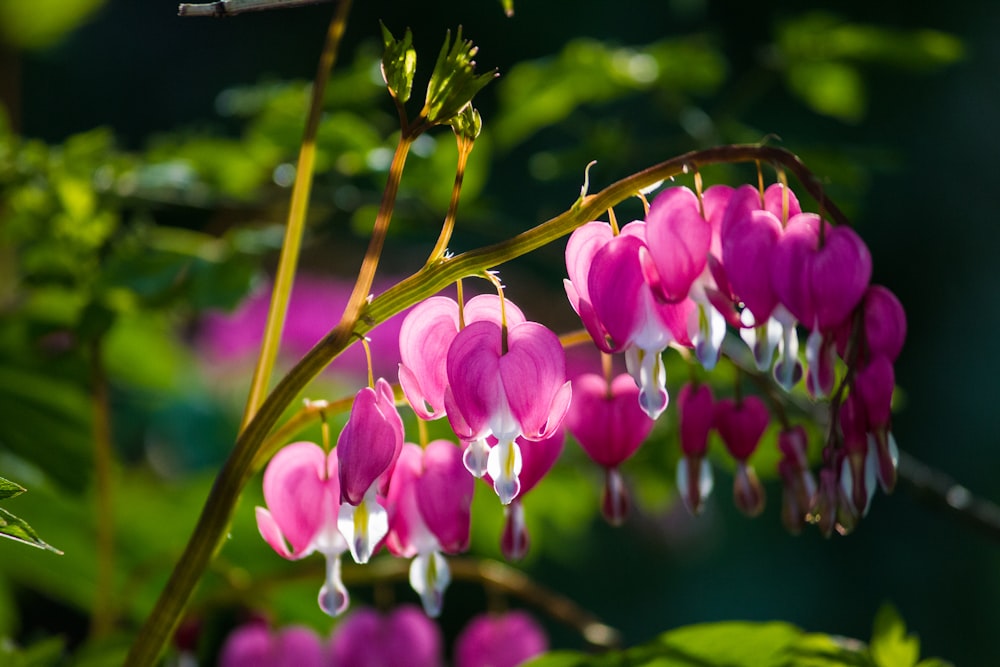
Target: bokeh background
[(145, 169)]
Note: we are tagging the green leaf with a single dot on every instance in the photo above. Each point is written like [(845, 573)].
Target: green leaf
[(830, 88), (730, 643), (454, 83), (9, 489), (399, 64), (44, 653), (559, 659), (19, 530), (890, 645)]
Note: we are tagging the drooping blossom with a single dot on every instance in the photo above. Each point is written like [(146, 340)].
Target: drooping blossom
[(424, 339), (608, 422), (684, 246), (302, 492), (874, 385), (820, 281), (751, 228), (537, 459), (694, 472), (254, 644), (367, 450), (509, 383), (404, 636), (857, 473), (741, 424), (500, 640), (608, 289), (429, 505)]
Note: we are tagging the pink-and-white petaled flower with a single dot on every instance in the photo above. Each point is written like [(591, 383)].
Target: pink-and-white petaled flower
[(799, 495), (751, 228), (608, 422), (741, 424), (429, 505), (302, 492), (820, 281), (608, 289), (683, 240), (509, 384), (367, 450), (404, 636), (694, 472), (499, 640)]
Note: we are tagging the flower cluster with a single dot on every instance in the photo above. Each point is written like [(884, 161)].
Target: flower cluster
[(748, 260), (500, 380), (403, 637)]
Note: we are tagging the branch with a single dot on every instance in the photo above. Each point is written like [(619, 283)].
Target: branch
[(937, 488), (234, 7)]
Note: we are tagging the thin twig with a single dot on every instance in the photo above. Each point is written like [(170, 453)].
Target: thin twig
[(234, 7), (939, 489)]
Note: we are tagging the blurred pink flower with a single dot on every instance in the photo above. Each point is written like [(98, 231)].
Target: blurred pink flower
[(499, 640)]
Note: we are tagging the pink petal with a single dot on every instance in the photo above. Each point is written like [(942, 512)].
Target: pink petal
[(694, 411), (608, 422), (444, 494), (406, 524), (747, 252), (299, 497), (679, 239), (741, 425), (370, 442), (533, 373), (501, 640), (614, 284), (474, 376), (773, 196), (486, 308), (424, 338), (839, 275), (581, 247)]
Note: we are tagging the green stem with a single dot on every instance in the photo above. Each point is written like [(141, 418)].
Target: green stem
[(295, 227), (464, 150), (213, 523)]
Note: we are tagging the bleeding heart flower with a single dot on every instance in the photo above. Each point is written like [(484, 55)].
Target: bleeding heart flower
[(302, 492), (740, 425), (499, 640), (255, 644), (509, 384), (367, 450), (609, 424), (405, 636), (429, 505), (694, 473)]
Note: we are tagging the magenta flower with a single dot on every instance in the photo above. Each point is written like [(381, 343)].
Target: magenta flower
[(302, 492), (405, 636), (884, 326), (500, 640), (424, 339), (874, 385), (694, 473), (820, 285), (429, 505), (608, 422), (367, 450), (608, 288), (858, 471), (741, 424), (509, 386), (254, 644), (537, 459), (684, 261)]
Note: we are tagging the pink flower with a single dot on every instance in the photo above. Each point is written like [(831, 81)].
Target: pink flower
[(403, 637), (608, 289), (499, 640), (799, 496), (429, 505), (302, 493), (741, 425), (694, 473), (609, 424), (367, 450), (255, 645), (874, 385), (506, 384)]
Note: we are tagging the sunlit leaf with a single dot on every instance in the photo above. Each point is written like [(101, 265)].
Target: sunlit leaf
[(18, 529), (830, 88), (40, 23), (9, 489), (890, 645)]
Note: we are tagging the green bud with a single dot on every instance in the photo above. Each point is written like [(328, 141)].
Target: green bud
[(399, 64), (454, 82), (467, 123)]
